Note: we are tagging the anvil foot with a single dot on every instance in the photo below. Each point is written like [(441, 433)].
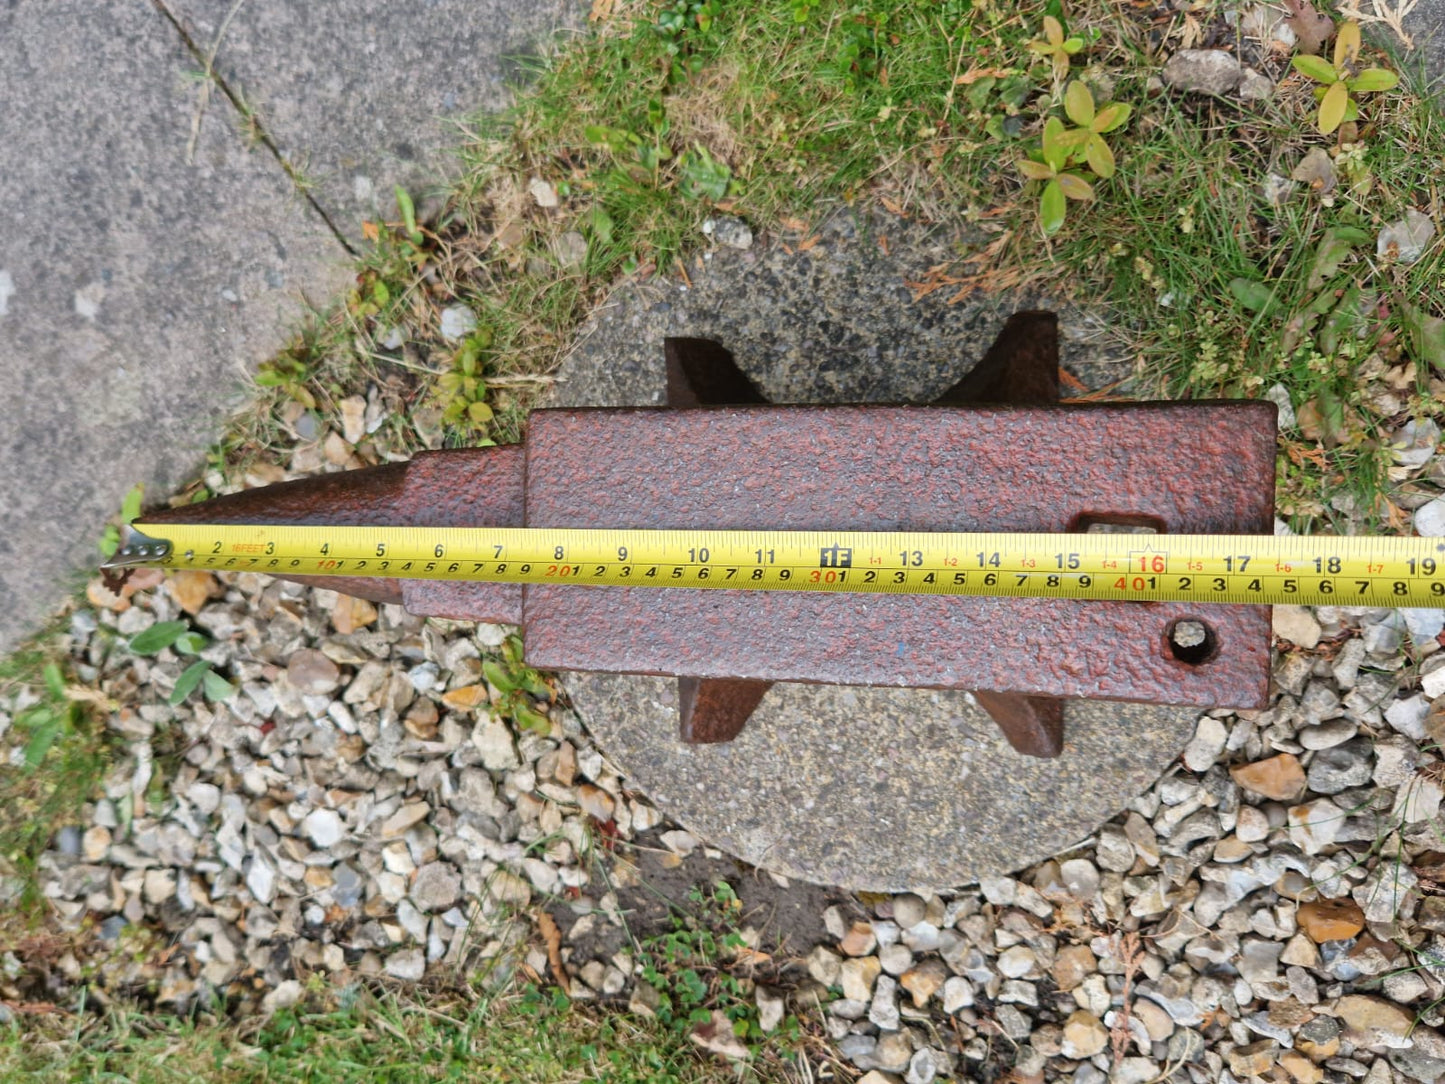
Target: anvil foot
[(1033, 725), (716, 709)]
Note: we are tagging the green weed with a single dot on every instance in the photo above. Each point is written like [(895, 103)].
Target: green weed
[(63, 753)]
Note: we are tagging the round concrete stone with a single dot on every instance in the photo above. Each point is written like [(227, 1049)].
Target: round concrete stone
[(877, 789), (883, 790)]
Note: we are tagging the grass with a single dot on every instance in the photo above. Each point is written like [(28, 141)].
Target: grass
[(530, 1036), (778, 111)]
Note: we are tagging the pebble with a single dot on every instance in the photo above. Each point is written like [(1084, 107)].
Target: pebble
[(409, 965), (860, 940), (857, 975), (909, 910), (824, 966), (1341, 767), (323, 827), (1206, 71), (1330, 920), (1373, 1021), (1210, 735), (1297, 624), (1315, 825), (312, 673), (957, 994), (728, 231), (542, 193), (1280, 777), (1404, 241), (438, 885), (1084, 1035)]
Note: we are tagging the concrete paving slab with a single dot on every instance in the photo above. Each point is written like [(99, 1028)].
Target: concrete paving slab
[(360, 96), (1426, 26), (136, 284)]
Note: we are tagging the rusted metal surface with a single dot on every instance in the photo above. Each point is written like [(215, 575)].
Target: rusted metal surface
[(701, 372), (1021, 367), (1043, 469), (472, 487), (716, 710), (1033, 725)]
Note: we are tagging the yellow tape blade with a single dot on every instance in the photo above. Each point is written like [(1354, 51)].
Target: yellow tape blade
[(1144, 568)]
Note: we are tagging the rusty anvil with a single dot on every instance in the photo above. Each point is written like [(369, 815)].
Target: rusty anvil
[(995, 453)]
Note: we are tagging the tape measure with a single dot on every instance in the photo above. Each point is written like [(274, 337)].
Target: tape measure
[(1316, 571)]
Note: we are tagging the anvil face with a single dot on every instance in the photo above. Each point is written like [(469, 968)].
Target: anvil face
[(1186, 468)]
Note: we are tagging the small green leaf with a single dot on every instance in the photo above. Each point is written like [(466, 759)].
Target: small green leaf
[(494, 673), (1114, 115), (532, 720), (216, 687), (1079, 104), (159, 636), (1056, 149), (1073, 45), (43, 733), (192, 643), (480, 413), (1099, 157), (269, 378), (602, 224), (1053, 30), (1332, 107), (1373, 79), (1335, 244), (1034, 171), (1075, 187), (1314, 67), (381, 293), (54, 681), (190, 677), (1347, 44), (109, 541), (130, 507), (408, 210), (1254, 296), (1052, 208)]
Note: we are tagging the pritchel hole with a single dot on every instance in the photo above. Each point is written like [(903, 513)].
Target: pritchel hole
[(1191, 641), (1117, 523)]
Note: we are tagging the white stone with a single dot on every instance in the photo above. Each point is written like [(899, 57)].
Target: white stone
[(323, 827), (457, 322), (1424, 623), (1297, 625), (957, 994), (1430, 518), (1408, 716), (543, 192), (1432, 681), (1313, 826), (1418, 800), (261, 880), (408, 965), (494, 741), (1208, 743)]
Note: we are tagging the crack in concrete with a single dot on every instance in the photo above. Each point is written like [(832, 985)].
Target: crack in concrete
[(238, 103)]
